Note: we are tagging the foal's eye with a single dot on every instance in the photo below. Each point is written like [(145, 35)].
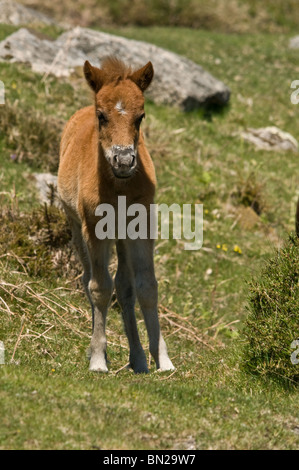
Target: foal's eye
[(138, 120), (102, 118)]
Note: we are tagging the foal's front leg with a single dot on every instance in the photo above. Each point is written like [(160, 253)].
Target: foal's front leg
[(126, 295), (100, 288), (141, 253)]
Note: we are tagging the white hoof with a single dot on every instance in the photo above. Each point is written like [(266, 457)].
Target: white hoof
[(166, 364), (98, 365)]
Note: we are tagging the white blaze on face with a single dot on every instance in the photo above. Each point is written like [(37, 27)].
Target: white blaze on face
[(119, 107)]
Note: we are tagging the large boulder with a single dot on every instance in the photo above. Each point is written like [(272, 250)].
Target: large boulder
[(15, 14), (178, 81), (42, 55)]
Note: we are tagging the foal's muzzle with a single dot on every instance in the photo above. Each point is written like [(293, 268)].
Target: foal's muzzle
[(123, 161)]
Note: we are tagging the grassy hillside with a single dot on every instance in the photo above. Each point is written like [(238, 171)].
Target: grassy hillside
[(48, 397)]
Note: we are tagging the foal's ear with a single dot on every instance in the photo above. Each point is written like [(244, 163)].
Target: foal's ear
[(143, 76), (94, 76)]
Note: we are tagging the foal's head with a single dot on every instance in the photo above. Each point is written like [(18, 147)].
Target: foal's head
[(119, 105)]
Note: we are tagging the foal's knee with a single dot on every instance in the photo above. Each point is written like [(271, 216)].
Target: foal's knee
[(100, 292), (124, 287), (85, 281), (147, 291)]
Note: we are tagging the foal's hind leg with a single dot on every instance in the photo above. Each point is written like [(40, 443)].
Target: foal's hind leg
[(141, 254), (126, 295), (82, 251)]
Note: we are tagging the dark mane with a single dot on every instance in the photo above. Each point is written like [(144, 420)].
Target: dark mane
[(115, 69)]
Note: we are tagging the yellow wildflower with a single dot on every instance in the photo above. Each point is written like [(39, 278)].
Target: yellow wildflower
[(237, 249)]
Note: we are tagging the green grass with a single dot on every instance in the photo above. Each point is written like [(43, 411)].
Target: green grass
[(48, 399), (54, 406)]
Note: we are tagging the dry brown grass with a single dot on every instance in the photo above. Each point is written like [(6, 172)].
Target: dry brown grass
[(38, 243), (32, 135), (249, 192)]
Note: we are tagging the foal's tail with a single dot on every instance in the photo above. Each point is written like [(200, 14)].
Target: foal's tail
[(297, 219)]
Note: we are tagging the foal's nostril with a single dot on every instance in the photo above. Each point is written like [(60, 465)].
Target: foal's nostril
[(124, 160), (133, 160)]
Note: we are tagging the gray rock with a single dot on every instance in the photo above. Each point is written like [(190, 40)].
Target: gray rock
[(42, 55), (294, 42), (178, 81), (46, 185), (270, 138), (15, 14)]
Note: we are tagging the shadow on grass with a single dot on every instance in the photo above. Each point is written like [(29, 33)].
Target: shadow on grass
[(209, 111)]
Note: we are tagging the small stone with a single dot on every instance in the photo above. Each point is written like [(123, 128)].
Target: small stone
[(294, 42), (270, 138)]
